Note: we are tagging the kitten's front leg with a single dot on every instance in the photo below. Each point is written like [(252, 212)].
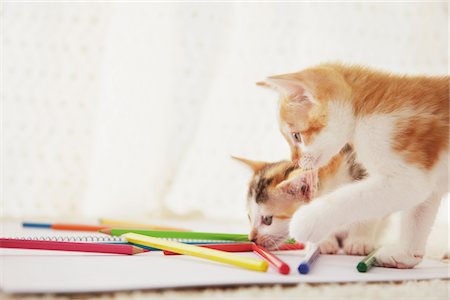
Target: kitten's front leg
[(311, 222), (361, 238), (329, 245), (415, 228), (373, 197)]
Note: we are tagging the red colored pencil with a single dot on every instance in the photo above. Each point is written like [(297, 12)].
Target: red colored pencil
[(241, 247), (70, 246), (272, 259), (232, 247), (296, 246)]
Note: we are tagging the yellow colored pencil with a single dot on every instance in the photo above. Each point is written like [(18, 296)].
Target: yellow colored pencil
[(211, 254), (120, 223)]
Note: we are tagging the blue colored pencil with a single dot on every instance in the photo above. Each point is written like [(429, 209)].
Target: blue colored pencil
[(305, 266), (36, 225)]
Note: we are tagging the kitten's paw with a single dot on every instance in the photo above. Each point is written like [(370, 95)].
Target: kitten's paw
[(329, 246), (358, 246), (311, 223), (391, 256)]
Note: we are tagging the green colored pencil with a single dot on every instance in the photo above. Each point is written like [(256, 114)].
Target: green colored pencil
[(179, 234), (367, 263)]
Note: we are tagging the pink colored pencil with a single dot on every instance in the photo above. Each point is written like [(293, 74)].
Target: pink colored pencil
[(272, 259), (232, 247), (70, 246)]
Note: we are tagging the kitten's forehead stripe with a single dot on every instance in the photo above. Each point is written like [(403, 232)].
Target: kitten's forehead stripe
[(289, 170), (268, 177)]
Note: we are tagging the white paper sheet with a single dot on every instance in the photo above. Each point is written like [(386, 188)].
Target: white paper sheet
[(62, 273), (36, 271)]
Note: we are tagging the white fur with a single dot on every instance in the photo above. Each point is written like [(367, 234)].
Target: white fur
[(269, 236), (358, 239), (392, 185), (334, 136)]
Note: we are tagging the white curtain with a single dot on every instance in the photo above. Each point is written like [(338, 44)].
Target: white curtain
[(135, 109)]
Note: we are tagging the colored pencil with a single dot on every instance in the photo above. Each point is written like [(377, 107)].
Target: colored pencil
[(234, 247), (64, 226), (118, 223), (367, 263), (296, 246), (305, 266), (272, 259), (83, 227), (70, 246), (156, 249), (179, 234), (211, 254), (238, 247), (37, 225), (77, 227)]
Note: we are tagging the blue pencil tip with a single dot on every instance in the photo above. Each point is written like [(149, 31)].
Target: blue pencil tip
[(303, 268)]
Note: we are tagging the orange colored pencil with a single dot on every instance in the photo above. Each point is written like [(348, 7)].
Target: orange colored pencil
[(65, 226), (84, 227), (77, 227), (126, 224)]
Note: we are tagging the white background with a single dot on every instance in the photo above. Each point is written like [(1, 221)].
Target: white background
[(113, 109)]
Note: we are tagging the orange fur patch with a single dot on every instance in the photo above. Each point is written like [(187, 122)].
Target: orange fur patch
[(332, 167), (420, 141), (282, 209), (420, 102), (283, 217)]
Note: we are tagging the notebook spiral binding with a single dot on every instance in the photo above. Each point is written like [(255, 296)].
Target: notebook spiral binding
[(109, 239), (89, 238)]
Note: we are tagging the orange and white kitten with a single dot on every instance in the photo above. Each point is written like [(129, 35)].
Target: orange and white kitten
[(399, 128), (278, 189)]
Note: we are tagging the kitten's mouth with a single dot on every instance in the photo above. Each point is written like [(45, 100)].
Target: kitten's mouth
[(306, 192), (271, 242)]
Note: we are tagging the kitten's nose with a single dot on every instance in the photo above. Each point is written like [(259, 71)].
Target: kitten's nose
[(252, 236)]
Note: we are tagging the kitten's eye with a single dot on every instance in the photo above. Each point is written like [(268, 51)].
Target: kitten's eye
[(297, 137), (266, 220)]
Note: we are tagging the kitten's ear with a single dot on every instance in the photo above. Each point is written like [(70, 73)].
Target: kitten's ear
[(296, 186), (254, 165), (290, 86), (263, 84)]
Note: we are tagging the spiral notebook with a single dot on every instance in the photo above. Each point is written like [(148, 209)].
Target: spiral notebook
[(40, 271), (44, 234)]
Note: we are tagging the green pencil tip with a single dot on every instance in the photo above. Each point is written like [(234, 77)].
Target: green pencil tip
[(361, 267)]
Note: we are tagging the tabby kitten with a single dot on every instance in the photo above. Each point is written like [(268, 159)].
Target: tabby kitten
[(398, 126), (278, 189)]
